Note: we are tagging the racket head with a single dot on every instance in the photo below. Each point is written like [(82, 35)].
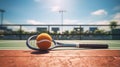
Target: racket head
[(31, 43)]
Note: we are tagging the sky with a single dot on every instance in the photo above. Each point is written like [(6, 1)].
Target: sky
[(47, 11)]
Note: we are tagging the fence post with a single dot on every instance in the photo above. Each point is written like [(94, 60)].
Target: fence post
[(20, 34), (48, 29), (80, 32)]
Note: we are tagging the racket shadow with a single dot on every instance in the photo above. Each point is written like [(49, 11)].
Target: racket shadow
[(40, 52)]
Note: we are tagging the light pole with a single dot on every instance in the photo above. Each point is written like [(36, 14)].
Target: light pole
[(2, 11), (62, 11)]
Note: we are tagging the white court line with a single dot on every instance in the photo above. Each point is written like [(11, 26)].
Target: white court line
[(25, 48), (11, 41), (13, 48)]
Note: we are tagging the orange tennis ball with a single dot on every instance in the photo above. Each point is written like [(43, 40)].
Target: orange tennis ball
[(44, 45)]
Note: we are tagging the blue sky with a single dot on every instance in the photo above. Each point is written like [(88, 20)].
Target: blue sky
[(47, 11)]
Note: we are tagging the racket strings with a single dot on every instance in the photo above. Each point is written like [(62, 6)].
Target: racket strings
[(45, 40), (33, 42)]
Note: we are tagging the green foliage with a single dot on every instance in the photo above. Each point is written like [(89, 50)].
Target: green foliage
[(72, 32), (99, 31), (66, 32), (113, 25)]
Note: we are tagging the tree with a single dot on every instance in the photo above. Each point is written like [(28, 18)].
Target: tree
[(66, 32), (113, 25), (72, 32), (99, 31), (19, 31), (87, 32)]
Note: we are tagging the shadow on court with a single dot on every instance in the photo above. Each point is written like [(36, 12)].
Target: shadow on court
[(40, 52)]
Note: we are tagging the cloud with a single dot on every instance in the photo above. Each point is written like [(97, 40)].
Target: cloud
[(116, 17), (7, 22), (65, 21), (11, 27), (99, 12), (102, 22), (75, 21), (55, 8), (34, 22)]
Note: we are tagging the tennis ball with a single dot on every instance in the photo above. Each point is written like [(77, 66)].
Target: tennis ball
[(44, 45)]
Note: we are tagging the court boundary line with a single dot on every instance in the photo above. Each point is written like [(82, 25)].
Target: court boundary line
[(25, 48)]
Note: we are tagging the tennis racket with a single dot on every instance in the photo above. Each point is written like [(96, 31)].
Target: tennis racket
[(31, 43)]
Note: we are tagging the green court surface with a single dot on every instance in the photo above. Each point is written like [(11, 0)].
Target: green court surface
[(21, 44)]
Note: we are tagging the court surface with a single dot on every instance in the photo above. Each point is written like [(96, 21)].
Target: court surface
[(21, 44), (14, 53)]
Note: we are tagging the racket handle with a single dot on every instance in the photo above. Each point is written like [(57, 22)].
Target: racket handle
[(93, 46)]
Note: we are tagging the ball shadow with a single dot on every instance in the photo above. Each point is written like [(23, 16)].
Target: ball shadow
[(40, 52)]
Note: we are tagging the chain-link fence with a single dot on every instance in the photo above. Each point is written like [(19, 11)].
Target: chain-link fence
[(61, 32)]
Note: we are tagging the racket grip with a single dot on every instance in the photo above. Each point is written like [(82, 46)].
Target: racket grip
[(94, 46)]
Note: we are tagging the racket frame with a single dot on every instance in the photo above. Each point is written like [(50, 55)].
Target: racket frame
[(58, 44)]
